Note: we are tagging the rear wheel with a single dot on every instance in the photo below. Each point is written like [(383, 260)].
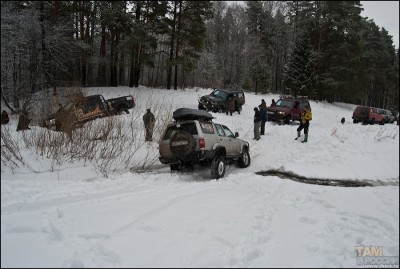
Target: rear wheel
[(218, 167)]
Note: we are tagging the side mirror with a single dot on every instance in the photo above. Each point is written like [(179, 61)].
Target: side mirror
[(236, 134)]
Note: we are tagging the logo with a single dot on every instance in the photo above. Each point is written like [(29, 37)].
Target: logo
[(372, 257)]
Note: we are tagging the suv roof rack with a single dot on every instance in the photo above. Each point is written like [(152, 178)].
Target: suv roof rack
[(191, 114), (286, 97)]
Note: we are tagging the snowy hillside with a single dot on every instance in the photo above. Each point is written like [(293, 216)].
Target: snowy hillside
[(70, 215)]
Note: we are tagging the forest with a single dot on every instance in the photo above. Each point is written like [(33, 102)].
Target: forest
[(321, 49)]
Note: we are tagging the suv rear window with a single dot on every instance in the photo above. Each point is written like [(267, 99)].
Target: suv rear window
[(189, 127)]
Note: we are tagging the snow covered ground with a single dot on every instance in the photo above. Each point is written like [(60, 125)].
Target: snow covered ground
[(75, 217)]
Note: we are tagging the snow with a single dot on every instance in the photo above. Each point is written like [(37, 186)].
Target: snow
[(70, 215)]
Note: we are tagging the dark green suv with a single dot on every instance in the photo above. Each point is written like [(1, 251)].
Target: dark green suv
[(218, 100)]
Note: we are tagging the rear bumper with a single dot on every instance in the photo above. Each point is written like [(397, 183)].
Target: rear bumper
[(197, 156)]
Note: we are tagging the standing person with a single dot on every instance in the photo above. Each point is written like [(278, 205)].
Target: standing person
[(149, 121), (4, 117), (231, 105), (263, 104), (263, 115), (273, 103), (306, 116), (23, 121), (257, 123)]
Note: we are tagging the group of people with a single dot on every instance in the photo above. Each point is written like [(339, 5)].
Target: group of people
[(23, 120), (231, 106), (261, 117)]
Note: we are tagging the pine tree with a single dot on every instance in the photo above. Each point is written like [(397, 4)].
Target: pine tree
[(299, 74)]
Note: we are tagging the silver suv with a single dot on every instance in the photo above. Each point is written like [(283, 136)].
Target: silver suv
[(195, 139)]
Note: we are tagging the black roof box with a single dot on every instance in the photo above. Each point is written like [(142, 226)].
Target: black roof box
[(191, 114)]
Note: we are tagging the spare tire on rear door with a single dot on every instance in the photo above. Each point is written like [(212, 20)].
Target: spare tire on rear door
[(181, 144)]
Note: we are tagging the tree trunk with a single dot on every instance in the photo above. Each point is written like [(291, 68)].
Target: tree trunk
[(171, 51), (82, 51), (102, 68), (177, 46), (134, 76)]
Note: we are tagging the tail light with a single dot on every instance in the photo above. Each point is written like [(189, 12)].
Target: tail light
[(202, 143)]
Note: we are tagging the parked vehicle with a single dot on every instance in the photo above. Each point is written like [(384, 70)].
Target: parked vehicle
[(217, 101), (389, 117), (195, 139), (287, 109), (368, 115), (122, 104), (76, 113)]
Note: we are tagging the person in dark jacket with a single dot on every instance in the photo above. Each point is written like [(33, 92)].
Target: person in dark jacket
[(231, 105), (263, 104), (263, 114), (257, 123), (149, 121), (306, 116), (23, 121), (273, 103), (4, 117)]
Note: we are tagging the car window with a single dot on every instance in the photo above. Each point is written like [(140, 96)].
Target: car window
[(220, 130), (227, 131), (90, 103), (220, 93), (303, 104), (188, 127), (285, 103), (207, 127)]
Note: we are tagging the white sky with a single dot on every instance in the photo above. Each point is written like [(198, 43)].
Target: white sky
[(69, 215), (385, 14)]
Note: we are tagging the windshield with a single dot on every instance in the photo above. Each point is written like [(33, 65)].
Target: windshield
[(285, 103), (219, 93)]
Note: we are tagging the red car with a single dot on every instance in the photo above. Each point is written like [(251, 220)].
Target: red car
[(368, 115), (287, 109)]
